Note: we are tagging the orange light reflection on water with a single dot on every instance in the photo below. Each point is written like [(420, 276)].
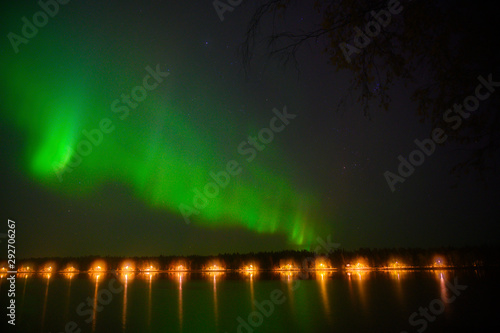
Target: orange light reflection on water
[(48, 275), (124, 317), (323, 279), (94, 313), (180, 276)]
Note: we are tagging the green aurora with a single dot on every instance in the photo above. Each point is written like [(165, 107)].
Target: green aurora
[(157, 151)]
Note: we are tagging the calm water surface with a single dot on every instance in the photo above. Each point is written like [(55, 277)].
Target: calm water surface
[(260, 302)]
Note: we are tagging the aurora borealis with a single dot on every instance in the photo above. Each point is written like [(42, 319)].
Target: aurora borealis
[(320, 175), (159, 155), (147, 144)]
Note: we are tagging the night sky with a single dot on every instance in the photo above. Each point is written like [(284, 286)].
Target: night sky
[(321, 174)]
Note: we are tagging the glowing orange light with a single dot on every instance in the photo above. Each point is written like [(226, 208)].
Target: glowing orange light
[(358, 265), (321, 266), (150, 268), (127, 266), (396, 264), (215, 268), (47, 269), (287, 267), (249, 268), (438, 262)]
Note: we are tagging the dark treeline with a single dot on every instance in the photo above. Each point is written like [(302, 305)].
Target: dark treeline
[(338, 258)]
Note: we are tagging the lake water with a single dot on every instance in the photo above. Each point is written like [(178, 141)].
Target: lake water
[(260, 302)]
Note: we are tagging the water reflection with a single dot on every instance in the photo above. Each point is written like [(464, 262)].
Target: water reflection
[(149, 298), (25, 276), (361, 277), (47, 276), (22, 276), (290, 277), (214, 276), (326, 288), (322, 279), (357, 278), (252, 294), (442, 276), (149, 274), (442, 284), (1, 280), (180, 276), (349, 283), (398, 275), (94, 313), (69, 276), (125, 278)]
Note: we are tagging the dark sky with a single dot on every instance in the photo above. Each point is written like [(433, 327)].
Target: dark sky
[(322, 174)]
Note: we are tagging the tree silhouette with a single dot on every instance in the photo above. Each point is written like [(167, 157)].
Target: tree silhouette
[(437, 48)]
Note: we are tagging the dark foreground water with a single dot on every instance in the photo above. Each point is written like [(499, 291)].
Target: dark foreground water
[(418, 301)]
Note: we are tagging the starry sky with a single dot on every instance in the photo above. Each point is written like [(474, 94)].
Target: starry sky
[(132, 187)]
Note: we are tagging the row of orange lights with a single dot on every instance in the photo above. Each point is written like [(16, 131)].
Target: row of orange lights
[(100, 266), (351, 274), (130, 268)]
